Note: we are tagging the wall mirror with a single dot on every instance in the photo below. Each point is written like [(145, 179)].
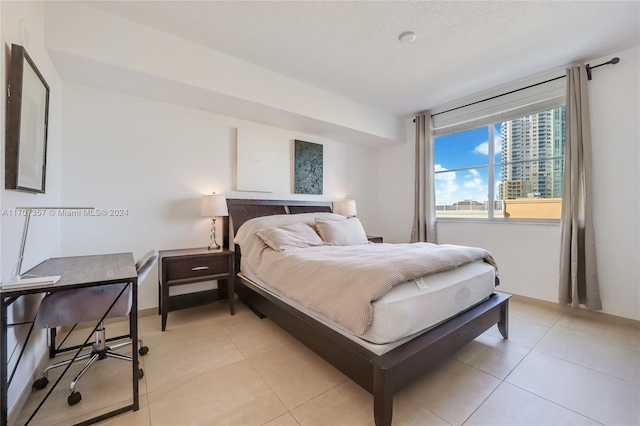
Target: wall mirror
[(26, 125)]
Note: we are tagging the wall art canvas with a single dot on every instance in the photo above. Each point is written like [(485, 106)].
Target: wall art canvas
[(263, 162), (308, 168)]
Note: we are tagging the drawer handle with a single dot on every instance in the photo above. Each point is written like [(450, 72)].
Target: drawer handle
[(199, 268)]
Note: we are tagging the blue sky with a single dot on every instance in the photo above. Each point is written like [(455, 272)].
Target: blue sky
[(464, 149)]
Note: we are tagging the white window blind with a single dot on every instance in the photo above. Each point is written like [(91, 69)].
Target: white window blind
[(460, 116)]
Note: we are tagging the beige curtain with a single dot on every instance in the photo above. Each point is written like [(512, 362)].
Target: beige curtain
[(424, 220), (578, 271)]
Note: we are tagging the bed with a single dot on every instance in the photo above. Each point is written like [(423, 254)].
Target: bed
[(381, 373)]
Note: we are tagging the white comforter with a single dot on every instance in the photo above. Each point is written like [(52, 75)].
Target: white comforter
[(341, 282)]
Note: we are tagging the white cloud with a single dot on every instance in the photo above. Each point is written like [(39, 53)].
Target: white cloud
[(473, 179), (483, 148), (446, 192), (451, 187), (474, 183), (448, 176), (446, 186)]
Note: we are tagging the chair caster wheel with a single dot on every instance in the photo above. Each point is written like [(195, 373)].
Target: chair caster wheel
[(41, 383), (74, 398), (140, 373), (143, 350)]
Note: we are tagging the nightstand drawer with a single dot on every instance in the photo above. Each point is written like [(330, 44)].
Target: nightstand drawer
[(195, 267)]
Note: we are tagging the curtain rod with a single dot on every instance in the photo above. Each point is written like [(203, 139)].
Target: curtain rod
[(588, 68), (613, 61)]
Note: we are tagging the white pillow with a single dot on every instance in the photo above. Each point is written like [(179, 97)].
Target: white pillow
[(290, 236), (348, 232), (246, 235)]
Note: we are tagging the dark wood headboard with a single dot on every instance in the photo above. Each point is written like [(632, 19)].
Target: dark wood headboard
[(241, 211)]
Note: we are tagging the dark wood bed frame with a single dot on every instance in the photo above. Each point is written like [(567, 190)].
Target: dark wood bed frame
[(381, 375)]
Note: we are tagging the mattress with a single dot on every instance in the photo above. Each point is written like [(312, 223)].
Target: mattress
[(412, 307)]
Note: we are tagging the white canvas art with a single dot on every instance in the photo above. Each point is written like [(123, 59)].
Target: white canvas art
[(263, 161)]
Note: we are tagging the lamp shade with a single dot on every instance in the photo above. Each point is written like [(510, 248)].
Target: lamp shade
[(346, 207), (214, 206)]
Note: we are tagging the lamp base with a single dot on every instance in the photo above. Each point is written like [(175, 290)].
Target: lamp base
[(214, 244), (28, 280)]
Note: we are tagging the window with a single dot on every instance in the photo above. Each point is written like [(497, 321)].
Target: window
[(507, 169)]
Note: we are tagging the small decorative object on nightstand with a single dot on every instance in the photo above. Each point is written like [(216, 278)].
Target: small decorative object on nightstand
[(214, 206), (188, 266), (374, 239)]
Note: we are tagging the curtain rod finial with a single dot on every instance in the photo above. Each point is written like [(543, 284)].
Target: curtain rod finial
[(613, 61)]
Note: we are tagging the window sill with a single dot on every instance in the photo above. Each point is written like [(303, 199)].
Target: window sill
[(543, 222)]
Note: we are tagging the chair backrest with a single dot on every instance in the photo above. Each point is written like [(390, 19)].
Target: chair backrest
[(144, 265)]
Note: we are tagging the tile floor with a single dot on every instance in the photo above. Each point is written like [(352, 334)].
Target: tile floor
[(209, 368)]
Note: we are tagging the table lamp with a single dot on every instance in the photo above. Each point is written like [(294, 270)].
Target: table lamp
[(214, 206), (346, 207), (16, 277)]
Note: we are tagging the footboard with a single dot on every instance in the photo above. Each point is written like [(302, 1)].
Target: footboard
[(401, 366), (381, 375)]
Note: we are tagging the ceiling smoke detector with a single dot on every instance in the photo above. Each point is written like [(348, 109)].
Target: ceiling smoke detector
[(407, 37)]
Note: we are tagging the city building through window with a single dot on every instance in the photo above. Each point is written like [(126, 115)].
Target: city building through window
[(508, 169)]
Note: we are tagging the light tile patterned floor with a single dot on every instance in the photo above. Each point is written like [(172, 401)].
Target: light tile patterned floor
[(209, 368)]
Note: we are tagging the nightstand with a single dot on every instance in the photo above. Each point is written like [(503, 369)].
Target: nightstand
[(374, 239), (188, 266)]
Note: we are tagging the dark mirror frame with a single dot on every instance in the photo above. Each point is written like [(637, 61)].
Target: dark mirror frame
[(19, 98)]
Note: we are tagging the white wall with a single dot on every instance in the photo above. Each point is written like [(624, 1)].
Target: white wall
[(614, 96), (396, 189), (528, 254), (23, 24), (156, 160)]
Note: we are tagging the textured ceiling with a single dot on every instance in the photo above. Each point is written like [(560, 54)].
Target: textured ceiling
[(352, 48)]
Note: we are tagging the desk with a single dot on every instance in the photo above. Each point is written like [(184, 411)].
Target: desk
[(76, 272)]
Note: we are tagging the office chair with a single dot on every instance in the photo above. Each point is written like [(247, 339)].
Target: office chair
[(89, 304)]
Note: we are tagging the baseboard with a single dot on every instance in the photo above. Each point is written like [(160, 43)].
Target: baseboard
[(580, 311), (148, 312), (16, 410)]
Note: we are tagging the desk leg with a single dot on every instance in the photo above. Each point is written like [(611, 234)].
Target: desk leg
[(133, 331), (3, 365), (159, 298)]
